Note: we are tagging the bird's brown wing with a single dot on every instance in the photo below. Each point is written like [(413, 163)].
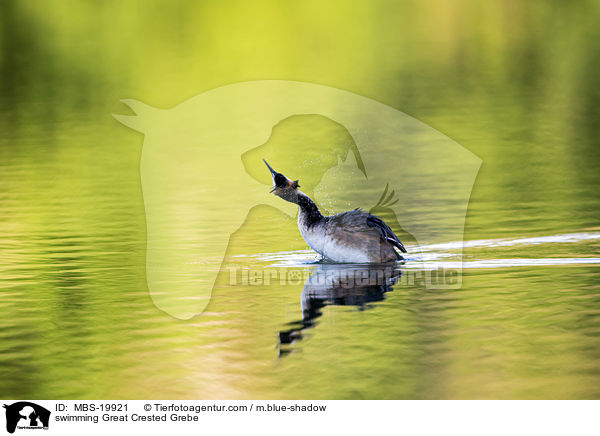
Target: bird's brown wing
[(352, 221), (359, 221), (384, 230)]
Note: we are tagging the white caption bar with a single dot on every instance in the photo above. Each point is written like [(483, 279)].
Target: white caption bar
[(24, 417)]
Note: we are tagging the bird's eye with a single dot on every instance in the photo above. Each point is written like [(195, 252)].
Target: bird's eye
[(280, 180)]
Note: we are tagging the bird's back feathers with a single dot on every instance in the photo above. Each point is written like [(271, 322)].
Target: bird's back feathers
[(359, 221)]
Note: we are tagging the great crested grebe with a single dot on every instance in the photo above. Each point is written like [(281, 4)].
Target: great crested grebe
[(355, 236)]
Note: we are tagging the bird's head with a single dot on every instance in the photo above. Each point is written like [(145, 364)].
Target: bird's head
[(284, 187)]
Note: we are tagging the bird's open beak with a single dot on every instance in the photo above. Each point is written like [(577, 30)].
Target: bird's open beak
[(273, 172)]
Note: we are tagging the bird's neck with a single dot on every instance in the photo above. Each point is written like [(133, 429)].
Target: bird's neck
[(308, 209)]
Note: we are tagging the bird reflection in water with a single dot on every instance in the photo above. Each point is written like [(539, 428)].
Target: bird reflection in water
[(338, 285)]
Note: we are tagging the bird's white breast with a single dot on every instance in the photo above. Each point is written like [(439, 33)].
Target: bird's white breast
[(314, 235), (317, 238), (341, 253)]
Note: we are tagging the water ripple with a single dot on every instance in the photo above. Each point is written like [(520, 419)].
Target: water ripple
[(435, 256)]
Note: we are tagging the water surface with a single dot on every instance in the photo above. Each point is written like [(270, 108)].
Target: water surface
[(516, 84)]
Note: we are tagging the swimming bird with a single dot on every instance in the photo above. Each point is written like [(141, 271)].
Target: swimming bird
[(355, 236)]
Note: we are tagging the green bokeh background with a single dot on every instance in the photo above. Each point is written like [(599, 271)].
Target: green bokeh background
[(514, 82)]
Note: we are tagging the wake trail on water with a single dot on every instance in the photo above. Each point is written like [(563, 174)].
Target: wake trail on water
[(449, 254)]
